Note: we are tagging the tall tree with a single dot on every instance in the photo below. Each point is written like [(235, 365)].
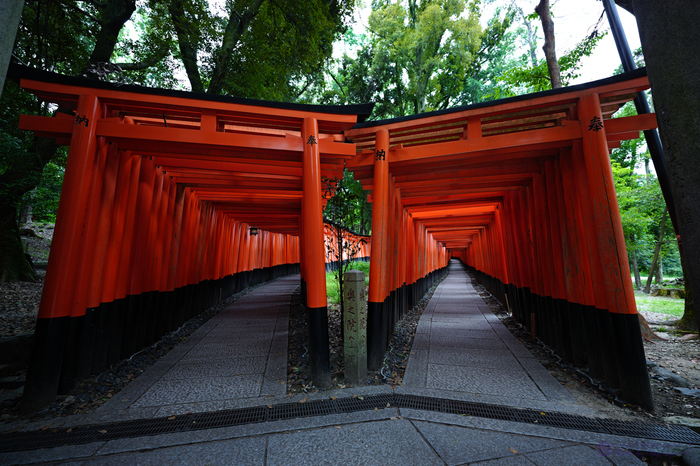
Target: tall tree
[(257, 48), (432, 42), (54, 37), (483, 78), (549, 46), (669, 34)]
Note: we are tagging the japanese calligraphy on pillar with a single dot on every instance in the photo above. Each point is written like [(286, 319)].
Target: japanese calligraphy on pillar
[(355, 326), (596, 124)]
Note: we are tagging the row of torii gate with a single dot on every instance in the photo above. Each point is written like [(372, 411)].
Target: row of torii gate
[(162, 188)]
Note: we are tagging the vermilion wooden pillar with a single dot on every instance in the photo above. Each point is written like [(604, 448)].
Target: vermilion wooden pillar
[(52, 323), (315, 264), (631, 362), (77, 332), (596, 292), (377, 265)]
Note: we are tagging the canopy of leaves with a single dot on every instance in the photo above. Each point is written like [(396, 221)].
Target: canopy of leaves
[(528, 79), (414, 58), (641, 203), (248, 48)]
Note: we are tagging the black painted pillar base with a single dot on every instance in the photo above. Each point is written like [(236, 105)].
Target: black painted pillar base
[(319, 356), (631, 362), (608, 348), (44, 371), (87, 348), (115, 331), (71, 356), (375, 332), (578, 345), (592, 340)]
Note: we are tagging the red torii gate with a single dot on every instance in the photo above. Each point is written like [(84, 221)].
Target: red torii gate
[(521, 191), (162, 194), (162, 186)]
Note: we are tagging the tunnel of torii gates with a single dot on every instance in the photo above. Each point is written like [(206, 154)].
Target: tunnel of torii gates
[(162, 189)]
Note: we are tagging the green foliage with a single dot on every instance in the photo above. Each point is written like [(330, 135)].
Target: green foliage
[(347, 204), (529, 79), (414, 58), (344, 210), (56, 36), (275, 56), (641, 204), (332, 283), (660, 304), (44, 198), (483, 78)]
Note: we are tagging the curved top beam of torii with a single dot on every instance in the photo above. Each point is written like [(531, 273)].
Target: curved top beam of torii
[(240, 155)]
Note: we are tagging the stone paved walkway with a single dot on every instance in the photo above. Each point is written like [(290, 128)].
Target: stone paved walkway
[(462, 348), (238, 359), (238, 355)]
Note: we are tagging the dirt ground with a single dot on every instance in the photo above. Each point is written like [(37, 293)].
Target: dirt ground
[(19, 304)]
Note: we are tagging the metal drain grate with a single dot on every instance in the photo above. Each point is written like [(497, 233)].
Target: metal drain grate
[(25, 441)]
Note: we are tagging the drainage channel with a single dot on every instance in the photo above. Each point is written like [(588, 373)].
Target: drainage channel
[(25, 441)]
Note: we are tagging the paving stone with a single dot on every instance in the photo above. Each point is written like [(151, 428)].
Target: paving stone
[(382, 442), (507, 461), (50, 454), (502, 359), (514, 384), (465, 323), (416, 374), (517, 348), (458, 445), (545, 381), (577, 454), (475, 343), (449, 336), (240, 350), (226, 452), (620, 457), (204, 368), (166, 392)]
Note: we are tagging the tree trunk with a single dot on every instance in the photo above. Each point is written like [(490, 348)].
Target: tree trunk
[(114, 14), (10, 12), (13, 265), (550, 53), (669, 36), (637, 276), (657, 251), (647, 332), (531, 36), (688, 321), (19, 179), (187, 43), (235, 28), (659, 275)]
